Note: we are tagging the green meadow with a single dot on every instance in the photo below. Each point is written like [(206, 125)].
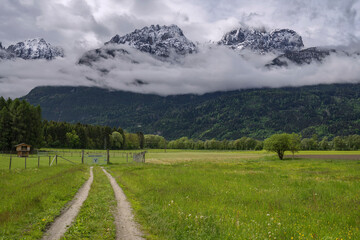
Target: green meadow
[(30, 199), (181, 194), (194, 195)]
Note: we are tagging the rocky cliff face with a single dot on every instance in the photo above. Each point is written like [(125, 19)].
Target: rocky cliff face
[(306, 56), (96, 55), (260, 41), (4, 54)]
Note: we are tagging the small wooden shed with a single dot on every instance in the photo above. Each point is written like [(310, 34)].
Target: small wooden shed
[(23, 149)]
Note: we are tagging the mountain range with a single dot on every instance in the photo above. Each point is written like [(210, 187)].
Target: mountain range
[(168, 43)]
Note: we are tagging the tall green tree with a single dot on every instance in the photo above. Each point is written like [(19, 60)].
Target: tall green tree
[(278, 143), (324, 144), (73, 140), (141, 139), (132, 141), (339, 143), (5, 129), (116, 140), (19, 122)]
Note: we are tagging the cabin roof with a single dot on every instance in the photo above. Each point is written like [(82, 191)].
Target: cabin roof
[(22, 144)]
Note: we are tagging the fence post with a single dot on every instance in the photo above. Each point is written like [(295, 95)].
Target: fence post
[(10, 163), (49, 160), (108, 156), (38, 161), (144, 156), (25, 162), (82, 156), (56, 159)]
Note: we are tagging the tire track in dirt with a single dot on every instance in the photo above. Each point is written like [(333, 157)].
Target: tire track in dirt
[(63, 222), (126, 228)]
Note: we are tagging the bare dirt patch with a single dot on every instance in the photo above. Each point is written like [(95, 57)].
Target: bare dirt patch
[(63, 222), (337, 157), (126, 228)]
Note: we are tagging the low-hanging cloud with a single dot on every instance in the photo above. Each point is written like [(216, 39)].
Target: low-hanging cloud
[(212, 69)]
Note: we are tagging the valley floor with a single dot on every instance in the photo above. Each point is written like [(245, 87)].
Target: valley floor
[(192, 195)]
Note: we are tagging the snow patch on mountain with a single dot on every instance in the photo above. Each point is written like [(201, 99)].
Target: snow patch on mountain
[(160, 41), (261, 41), (36, 48)]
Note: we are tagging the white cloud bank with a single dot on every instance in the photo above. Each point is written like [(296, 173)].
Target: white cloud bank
[(216, 69)]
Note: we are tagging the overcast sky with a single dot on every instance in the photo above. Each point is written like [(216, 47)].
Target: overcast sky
[(79, 25), (91, 22)]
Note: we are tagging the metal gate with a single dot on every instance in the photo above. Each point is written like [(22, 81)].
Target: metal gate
[(95, 158)]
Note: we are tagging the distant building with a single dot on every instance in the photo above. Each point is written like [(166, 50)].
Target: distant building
[(23, 149)]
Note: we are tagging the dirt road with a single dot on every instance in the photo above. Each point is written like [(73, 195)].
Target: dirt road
[(62, 223), (126, 228)]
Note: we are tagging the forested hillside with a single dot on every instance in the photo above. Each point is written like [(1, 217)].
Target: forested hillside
[(20, 122), (325, 110)]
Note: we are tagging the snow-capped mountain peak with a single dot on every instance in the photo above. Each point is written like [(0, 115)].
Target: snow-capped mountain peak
[(36, 48), (261, 41), (160, 41)]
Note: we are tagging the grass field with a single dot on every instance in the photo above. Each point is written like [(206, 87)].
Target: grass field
[(190, 195), (226, 196), (31, 198)]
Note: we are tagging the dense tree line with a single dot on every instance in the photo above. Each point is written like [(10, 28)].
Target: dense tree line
[(279, 143), (351, 142), (243, 143), (155, 142), (67, 135), (22, 122), (19, 122)]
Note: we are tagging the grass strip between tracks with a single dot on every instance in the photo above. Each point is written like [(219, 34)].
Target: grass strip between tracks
[(95, 219)]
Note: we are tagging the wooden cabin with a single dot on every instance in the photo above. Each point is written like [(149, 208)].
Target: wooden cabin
[(23, 149)]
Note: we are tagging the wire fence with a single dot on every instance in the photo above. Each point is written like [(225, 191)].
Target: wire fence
[(46, 158)]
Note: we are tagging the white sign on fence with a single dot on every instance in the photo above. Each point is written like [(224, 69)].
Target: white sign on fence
[(96, 159)]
